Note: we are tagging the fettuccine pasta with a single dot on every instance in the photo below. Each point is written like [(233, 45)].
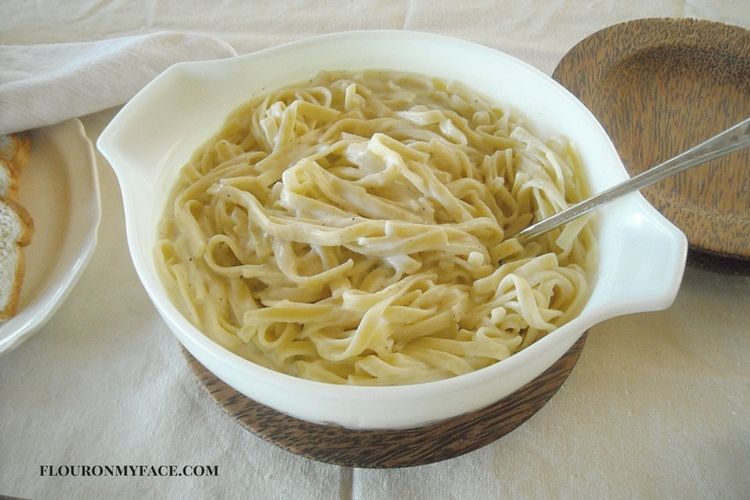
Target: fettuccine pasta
[(350, 230)]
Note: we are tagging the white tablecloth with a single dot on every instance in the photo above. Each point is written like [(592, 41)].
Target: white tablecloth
[(658, 405)]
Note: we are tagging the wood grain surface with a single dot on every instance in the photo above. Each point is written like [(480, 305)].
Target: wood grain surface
[(396, 448), (660, 86)]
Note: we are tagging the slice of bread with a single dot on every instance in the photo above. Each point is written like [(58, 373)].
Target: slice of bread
[(16, 228), (16, 225), (14, 154), (15, 150), (8, 179)]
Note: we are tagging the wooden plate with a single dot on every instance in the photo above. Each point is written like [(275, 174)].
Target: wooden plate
[(385, 449), (660, 86)]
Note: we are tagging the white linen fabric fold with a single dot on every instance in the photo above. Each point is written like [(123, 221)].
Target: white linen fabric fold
[(46, 84)]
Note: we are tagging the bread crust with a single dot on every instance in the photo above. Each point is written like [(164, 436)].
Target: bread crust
[(11, 306), (25, 216), (11, 189), (15, 150)]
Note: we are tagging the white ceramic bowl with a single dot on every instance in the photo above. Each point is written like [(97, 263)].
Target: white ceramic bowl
[(641, 254)]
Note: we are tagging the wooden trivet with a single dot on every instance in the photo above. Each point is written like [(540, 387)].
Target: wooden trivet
[(396, 448), (660, 86), (718, 263)]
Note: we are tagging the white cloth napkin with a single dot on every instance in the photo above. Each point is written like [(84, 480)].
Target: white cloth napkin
[(45, 84)]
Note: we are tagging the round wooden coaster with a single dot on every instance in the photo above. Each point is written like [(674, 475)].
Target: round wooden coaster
[(660, 86), (397, 448), (718, 263)]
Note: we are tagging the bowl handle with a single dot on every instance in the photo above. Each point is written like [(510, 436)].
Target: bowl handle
[(645, 256)]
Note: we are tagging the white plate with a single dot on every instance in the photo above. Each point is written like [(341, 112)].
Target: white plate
[(60, 189)]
